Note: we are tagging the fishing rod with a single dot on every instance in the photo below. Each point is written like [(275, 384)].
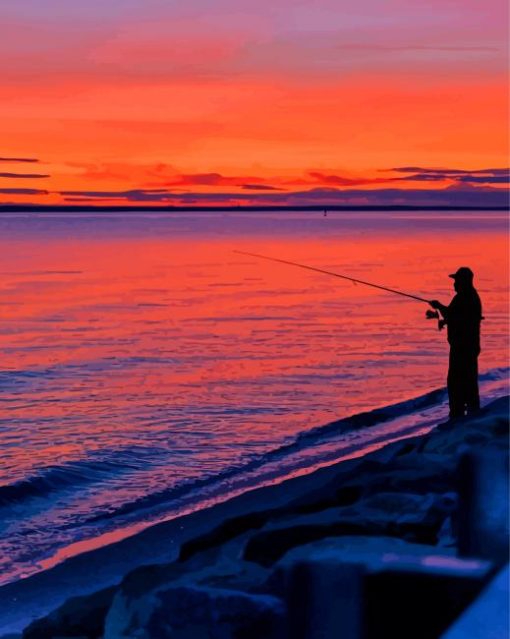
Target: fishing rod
[(344, 277)]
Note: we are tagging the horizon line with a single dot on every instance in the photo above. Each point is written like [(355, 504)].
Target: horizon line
[(67, 208)]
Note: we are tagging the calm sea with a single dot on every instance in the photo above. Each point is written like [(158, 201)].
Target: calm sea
[(146, 369)]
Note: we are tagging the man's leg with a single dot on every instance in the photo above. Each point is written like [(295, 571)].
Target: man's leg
[(472, 392), (455, 386)]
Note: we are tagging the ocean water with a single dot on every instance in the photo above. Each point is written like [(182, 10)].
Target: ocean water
[(147, 370)]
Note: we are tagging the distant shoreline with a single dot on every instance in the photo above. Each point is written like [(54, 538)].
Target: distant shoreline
[(82, 208)]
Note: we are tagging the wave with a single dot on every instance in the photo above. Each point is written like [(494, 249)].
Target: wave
[(189, 490), (67, 476), (17, 377), (75, 475)]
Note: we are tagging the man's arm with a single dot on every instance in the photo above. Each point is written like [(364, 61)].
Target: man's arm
[(440, 307)]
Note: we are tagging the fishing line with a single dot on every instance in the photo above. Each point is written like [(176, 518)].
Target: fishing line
[(344, 277)]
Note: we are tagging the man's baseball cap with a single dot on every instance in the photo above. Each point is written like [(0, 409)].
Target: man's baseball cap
[(463, 273)]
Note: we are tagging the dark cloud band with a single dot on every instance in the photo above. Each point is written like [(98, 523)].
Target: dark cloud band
[(30, 160), (8, 191), (24, 176), (476, 197)]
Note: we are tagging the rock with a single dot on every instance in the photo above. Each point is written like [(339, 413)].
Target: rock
[(326, 495), (78, 617), (415, 473), (420, 597), (374, 588), (371, 552), (413, 517), (325, 599), (447, 536), (221, 565), (228, 530), (455, 438), (409, 472), (483, 519), (267, 547), (198, 612), (138, 595), (398, 509)]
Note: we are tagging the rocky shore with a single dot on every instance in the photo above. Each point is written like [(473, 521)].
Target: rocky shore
[(408, 541)]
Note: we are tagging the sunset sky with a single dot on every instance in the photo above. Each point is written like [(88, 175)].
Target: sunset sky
[(273, 102)]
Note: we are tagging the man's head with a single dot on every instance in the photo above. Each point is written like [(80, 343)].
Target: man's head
[(462, 278)]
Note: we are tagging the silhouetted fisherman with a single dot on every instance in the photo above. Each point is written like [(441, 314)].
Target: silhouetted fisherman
[(462, 318)]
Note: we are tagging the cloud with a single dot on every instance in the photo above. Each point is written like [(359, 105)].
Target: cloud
[(339, 180), (217, 179), (164, 196), (168, 177), (475, 176), (479, 179), (406, 197), (419, 169), (19, 160), (24, 191), (89, 200), (469, 197), (397, 186), (204, 179), (124, 170), (132, 195), (162, 174), (23, 176), (260, 187)]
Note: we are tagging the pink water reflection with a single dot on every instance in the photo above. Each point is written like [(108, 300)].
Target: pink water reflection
[(136, 364)]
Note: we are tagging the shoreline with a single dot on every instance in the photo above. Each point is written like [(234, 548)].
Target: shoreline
[(26, 599)]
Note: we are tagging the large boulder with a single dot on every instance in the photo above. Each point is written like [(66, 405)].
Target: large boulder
[(197, 612), (147, 594), (371, 552), (220, 565), (484, 513), (412, 473), (484, 429), (416, 518), (225, 532), (375, 588), (78, 617), (403, 470)]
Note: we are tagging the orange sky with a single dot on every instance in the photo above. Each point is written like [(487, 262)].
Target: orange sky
[(116, 98)]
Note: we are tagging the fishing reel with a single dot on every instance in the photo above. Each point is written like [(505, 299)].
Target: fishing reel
[(435, 315)]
